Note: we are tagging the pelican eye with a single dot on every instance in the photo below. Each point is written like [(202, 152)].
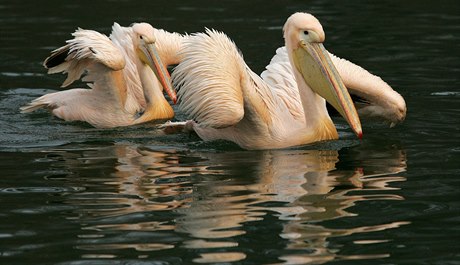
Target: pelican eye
[(305, 32), (140, 36)]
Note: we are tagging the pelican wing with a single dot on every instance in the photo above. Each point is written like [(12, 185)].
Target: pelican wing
[(122, 38), (280, 78), (94, 55), (208, 79)]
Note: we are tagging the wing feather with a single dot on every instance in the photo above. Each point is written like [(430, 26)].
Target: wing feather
[(86, 48), (279, 76), (122, 38), (94, 56), (208, 79)]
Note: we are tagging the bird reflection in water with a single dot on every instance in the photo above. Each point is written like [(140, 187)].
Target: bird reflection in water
[(210, 200)]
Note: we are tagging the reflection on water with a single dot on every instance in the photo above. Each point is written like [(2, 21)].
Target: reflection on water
[(162, 199)]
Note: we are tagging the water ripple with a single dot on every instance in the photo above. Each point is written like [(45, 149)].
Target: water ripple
[(155, 198), (41, 189)]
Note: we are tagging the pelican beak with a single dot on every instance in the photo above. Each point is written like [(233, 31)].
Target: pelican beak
[(313, 62), (153, 59)]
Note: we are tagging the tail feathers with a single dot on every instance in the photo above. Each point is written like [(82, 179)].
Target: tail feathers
[(53, 101), (36, 104)]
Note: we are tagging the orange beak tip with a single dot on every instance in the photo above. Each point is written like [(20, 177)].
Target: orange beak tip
[(173, 98), (360, 135)]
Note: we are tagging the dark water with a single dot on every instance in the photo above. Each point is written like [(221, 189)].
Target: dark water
[(72, 194)]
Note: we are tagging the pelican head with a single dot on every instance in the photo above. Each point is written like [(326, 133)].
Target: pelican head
[(144, 43), (304, 36)]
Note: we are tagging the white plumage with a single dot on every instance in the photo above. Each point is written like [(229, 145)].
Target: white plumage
[(381, 101), (226, 100), (124, 89), (216, 100)]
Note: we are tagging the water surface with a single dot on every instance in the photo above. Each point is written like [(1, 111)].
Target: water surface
[(73, 194)]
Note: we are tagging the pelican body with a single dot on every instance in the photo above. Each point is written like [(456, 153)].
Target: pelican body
[(226, 100), (125, 75)]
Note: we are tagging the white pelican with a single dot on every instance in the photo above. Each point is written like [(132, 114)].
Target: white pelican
[(124, 90), (226, 100), (376, 99)]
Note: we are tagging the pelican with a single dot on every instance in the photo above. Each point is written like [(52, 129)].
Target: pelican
[(226, 100), (124, 90), (376, 100)]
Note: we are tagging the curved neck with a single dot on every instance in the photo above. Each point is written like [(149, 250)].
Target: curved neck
[(316, 116), (157, 107), (317, 119), (169, 45), (314, 106)]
